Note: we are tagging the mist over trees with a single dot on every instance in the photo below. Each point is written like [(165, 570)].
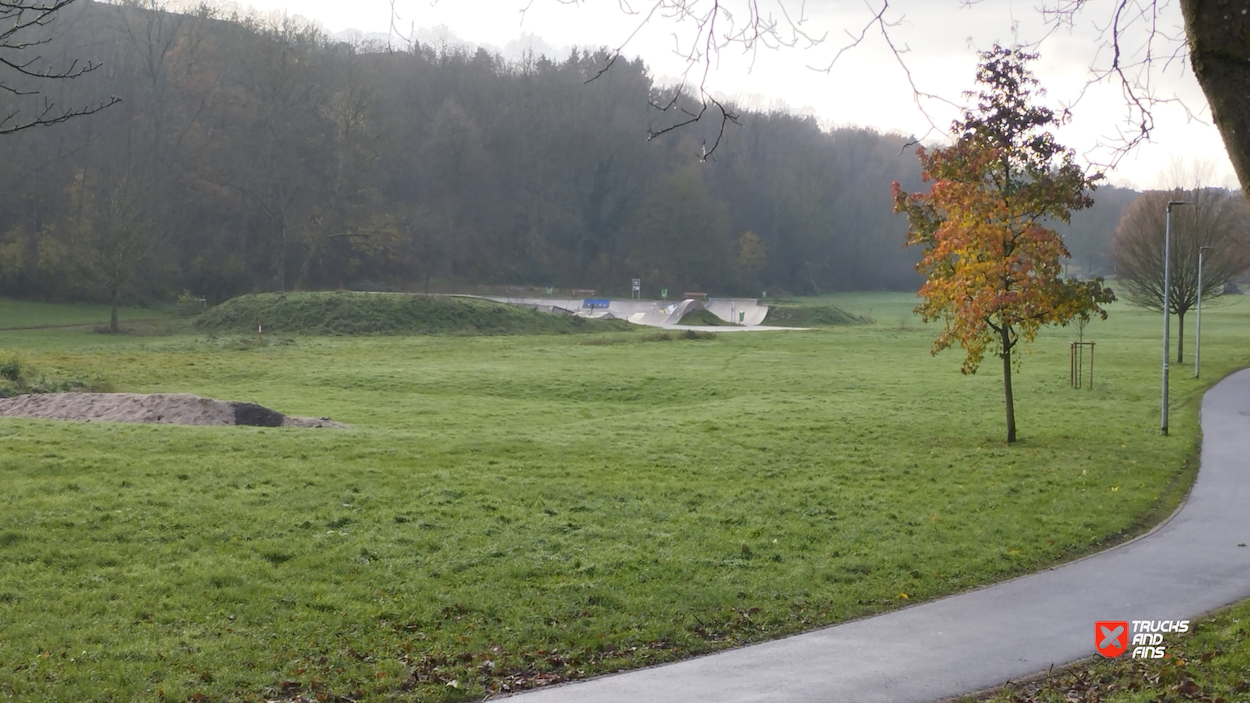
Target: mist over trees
[(248, 156)]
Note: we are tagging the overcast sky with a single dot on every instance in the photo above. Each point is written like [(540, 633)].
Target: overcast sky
[(866, 86)]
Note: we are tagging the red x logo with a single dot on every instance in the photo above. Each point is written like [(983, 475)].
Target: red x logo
[(1111, 637)]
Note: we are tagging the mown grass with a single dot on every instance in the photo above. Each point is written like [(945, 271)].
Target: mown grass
[(514, 510), (1211, 663), (352, 313)]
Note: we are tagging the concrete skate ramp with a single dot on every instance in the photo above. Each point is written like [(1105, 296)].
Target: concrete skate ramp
[(654, 313), (665, 314), (740, 311)]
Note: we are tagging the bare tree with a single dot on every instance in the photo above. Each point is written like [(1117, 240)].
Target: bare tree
[(1218, 219), (25, 28), (113, 237)]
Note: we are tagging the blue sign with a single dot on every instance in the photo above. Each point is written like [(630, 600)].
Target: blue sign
[(593, 303)]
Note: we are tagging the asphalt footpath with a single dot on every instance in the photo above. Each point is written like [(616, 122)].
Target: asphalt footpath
[(1195, 562)]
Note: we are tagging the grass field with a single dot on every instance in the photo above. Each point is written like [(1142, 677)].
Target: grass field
[(515, 510), (16, 314)]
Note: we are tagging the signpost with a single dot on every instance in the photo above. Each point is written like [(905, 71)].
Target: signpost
[(637, 291), (1167, 290), (1198, 327)]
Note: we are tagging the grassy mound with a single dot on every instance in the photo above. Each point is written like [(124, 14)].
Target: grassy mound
[(346, 313), (704, 317), (789, 314)]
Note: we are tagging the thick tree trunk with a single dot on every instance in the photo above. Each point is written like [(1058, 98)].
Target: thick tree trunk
[(1011, 405), (1220, 55)]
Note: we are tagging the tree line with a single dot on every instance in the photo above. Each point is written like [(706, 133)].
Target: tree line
[(247, 156)]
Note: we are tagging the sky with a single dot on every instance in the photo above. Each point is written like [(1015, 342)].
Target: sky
[(936, 41)]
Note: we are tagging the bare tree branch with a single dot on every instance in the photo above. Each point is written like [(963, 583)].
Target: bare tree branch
[(24, 26), (1135, 46)]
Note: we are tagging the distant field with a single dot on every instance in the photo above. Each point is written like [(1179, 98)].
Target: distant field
[(518, 510), (18, 314)]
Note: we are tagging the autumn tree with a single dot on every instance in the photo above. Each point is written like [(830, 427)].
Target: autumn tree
[(1217, 220), (752, 255), (993, 270), (683, 239)]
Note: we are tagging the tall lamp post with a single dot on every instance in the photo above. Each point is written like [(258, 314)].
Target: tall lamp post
[(1167, 290), (1198, 324)]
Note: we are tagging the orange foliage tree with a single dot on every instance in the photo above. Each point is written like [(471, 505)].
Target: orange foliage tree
[(992, 267)]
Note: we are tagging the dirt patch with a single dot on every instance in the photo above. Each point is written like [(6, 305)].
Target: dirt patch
[(159, 408)]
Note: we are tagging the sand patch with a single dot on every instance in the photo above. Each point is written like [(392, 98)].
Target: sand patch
[(159, 408)]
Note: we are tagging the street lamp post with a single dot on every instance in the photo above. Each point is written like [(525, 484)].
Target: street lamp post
[(1167, 290), (1198, 322)]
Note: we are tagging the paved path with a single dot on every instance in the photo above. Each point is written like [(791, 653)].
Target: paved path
[(1190, 565)]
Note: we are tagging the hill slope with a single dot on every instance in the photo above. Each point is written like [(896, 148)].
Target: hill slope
[(344, 313), (788, 314)]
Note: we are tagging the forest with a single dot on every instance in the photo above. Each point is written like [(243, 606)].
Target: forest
[(248, 156)]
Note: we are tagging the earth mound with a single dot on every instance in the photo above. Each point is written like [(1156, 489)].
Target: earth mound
[(352, 313), (802, 315), (704, 317), (159, 408)]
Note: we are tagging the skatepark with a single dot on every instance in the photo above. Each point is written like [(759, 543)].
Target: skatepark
[(740, 313)]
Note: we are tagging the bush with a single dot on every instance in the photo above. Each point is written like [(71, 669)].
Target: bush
[(11, 368)]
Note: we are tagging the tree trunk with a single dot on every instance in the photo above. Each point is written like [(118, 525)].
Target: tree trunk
[(1220, 55), (281, 276), (1180, 337), (1011, 406), (113, 312)]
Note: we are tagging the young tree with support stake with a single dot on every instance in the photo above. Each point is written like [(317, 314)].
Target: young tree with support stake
[(993, 271)]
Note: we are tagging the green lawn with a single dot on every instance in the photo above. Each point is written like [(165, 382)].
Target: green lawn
[(17, 314), (514, 510)]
